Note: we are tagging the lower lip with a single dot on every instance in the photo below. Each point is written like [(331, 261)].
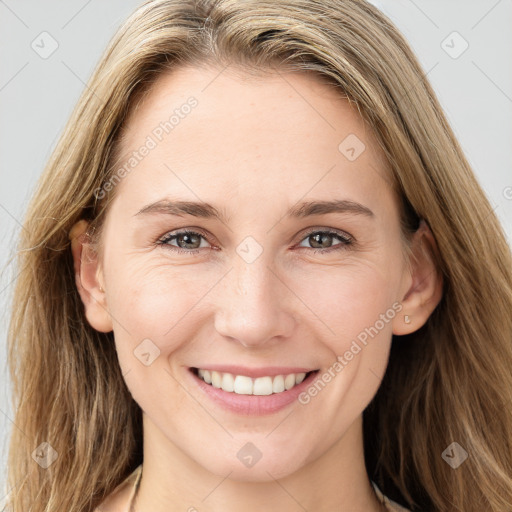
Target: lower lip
[(253, 405)]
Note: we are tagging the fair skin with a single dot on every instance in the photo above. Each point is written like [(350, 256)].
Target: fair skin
[(252, 148)]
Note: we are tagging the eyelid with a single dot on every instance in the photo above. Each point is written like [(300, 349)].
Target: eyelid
[(331, 231)]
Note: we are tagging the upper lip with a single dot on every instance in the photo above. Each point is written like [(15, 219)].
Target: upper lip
[(270, 371)]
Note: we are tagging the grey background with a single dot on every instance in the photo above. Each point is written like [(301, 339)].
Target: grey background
[(37, 95)]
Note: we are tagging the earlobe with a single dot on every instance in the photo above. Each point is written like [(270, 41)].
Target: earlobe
[(88, 278), (426, 288)]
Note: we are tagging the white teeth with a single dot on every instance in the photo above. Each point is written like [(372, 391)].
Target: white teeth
[(216, 379), (289, 381), (262, 386), (299, 377), (228, 382), (278, 384), (243, 385)]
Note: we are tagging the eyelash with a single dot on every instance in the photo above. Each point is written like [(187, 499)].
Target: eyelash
[(346, 241)]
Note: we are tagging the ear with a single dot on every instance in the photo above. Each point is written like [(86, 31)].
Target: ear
[(89, 278), (426, 288)]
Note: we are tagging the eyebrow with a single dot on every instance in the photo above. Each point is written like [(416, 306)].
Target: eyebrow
[(300, 210)]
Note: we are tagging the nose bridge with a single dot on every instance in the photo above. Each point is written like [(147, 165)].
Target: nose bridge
[(252, 305)]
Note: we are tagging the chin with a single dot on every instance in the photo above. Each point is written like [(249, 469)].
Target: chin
[(266, 469)]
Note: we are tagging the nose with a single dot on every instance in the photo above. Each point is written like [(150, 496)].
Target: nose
[(254, 305)]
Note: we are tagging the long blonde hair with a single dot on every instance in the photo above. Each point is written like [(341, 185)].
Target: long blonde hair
[(450, 381)]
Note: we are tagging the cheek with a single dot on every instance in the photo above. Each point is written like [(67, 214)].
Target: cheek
[(348, 301), (155, 313), (356, 307), (156, 303)]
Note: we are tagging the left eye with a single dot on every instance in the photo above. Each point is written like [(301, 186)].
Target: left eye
[(321, 237), (188, 238), (190, 241)]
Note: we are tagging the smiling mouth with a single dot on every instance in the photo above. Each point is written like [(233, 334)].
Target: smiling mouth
[(244, 385)]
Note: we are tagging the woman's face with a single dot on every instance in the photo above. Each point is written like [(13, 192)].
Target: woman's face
[(266, 284)]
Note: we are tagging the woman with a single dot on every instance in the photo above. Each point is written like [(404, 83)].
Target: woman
[(261, 272)]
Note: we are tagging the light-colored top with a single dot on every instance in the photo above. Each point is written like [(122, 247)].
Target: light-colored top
[(134, 478), (391, 505)]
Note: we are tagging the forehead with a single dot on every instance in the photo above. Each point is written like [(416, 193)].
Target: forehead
[(278, 131), (286, 98)]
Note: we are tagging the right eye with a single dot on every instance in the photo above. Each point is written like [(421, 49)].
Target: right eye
[(184, 239)]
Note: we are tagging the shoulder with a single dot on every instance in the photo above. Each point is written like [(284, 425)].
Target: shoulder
[(391, 505), (119, 499)]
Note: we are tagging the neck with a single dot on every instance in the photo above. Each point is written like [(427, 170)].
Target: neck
[(336, 480)]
